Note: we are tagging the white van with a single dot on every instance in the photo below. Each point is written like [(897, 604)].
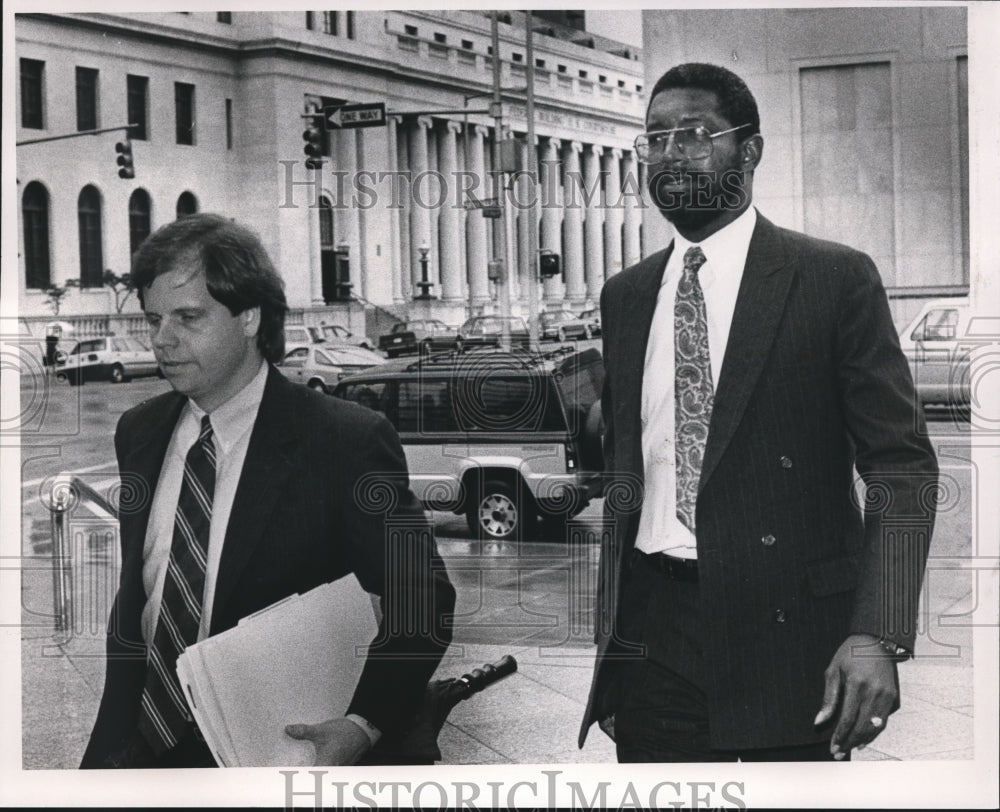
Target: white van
[(938, 343)]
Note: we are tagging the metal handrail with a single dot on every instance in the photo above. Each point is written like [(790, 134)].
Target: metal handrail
[(66, 496)]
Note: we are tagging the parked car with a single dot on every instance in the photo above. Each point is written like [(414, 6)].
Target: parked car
[(508, 442), (337, 334), (560, 325), (488, 331), (938, 343), (109, 358), (298, 335), (322, 366), (418, 336), (593, 317)]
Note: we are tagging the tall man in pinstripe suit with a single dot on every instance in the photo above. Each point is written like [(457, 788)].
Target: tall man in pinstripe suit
[(749, 607)]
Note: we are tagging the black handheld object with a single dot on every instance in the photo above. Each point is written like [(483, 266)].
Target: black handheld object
[(480, 678)]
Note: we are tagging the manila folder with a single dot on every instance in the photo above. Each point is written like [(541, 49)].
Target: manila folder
[(297, 661)]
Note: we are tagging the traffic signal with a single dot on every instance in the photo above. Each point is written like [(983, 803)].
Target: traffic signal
[(126, 164), (548, 264), (313, 136)]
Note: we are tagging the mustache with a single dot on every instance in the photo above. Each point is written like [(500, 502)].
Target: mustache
[(674, 188)]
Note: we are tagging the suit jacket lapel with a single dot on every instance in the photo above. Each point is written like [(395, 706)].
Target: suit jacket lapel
[(636, 320), (142, 464), (759, 305), (268, 463)]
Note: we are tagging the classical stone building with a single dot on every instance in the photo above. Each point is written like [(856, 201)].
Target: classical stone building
[(220, 100)]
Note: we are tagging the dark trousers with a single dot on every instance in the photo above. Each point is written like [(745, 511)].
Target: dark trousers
[(661, 710), (190, 751)]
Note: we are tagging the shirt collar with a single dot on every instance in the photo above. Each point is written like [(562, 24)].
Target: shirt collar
[(732, 240), (236, 416)]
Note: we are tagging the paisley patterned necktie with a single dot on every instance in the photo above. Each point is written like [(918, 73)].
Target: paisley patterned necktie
[(693, 389)]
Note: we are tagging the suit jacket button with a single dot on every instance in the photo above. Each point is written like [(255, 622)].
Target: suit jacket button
[(768, 540), (786, 462), (779, 616)]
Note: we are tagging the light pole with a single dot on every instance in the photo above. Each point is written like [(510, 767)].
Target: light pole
[(425, 284)]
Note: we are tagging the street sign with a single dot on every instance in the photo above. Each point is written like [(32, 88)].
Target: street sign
[(351, 116)]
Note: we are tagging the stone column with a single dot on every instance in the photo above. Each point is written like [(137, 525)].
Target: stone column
[(346, 221), (449, 220), (552, 213), (420, 220), (475, 231), (594, 224), (397, 268), (632, 214), (576, 291), (613, 214)]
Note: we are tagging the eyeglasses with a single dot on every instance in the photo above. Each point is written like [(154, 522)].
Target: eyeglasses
[(693, 143)]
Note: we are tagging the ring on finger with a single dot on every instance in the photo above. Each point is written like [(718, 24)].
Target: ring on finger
[(877, 721)]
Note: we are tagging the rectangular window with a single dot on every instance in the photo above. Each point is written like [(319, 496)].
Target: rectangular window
[(310, 21), (184, 112), (330, 23), (224, 17), (32, 83), (848, 185), (229, 123), (349, 24), (86, 99), (138, 104)]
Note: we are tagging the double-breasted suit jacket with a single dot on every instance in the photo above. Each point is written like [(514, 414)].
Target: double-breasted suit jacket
[(322, 481), (813, 387)]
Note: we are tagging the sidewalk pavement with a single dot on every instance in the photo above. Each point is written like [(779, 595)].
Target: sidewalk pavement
[(531, 717)]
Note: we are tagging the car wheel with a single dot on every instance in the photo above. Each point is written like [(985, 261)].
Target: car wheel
[(117, 374), (495, 513), (561, 335), (318, 385)]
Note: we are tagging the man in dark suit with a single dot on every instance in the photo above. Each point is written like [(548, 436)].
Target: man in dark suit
[(245, 489), (749, 606)]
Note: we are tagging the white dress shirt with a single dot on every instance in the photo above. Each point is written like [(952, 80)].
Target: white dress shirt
[(725, 256), (232, 424)]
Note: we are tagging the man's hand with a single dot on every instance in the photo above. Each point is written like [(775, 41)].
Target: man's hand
[(337, 741), (862, 680)]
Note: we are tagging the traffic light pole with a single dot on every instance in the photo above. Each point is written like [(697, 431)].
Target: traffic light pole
[(499, 226), (126, 127), (529, 110)]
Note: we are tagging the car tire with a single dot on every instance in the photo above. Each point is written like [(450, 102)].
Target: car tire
[(317, 385), (117, 374), (496, 513)]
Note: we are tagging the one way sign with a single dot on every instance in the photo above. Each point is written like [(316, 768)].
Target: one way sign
[(349, 116)]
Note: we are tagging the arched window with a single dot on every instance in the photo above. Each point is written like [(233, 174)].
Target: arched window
[(91, 253), (187, 204), (35, 216), (140, 211)]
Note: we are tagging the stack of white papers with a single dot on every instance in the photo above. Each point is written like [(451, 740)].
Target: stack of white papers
[(297, 661)]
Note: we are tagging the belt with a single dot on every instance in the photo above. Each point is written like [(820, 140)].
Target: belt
[(677, 569)]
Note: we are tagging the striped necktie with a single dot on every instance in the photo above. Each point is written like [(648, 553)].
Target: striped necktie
[(693, 390), (164, 712)]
